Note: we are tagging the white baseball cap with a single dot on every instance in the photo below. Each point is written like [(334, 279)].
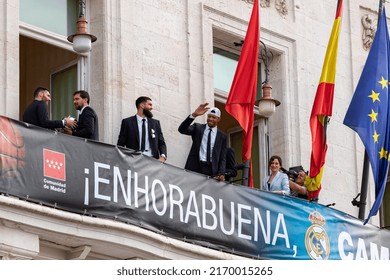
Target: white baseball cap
[(214, 111)]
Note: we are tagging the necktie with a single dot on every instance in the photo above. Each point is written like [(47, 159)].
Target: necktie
[(143, 135), (208, 151)]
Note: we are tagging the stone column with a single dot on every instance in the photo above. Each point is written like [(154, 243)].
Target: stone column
[(111, 64), (9, 58)]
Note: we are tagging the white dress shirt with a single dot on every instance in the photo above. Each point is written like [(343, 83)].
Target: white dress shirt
[(148, 151), (203, 145)]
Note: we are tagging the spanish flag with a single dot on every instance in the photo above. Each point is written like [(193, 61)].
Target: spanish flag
[(322, 110)]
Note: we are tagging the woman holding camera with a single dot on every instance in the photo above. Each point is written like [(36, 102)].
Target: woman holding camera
[(276, 182)]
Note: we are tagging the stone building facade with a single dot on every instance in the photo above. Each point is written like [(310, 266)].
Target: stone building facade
[(166, 49)]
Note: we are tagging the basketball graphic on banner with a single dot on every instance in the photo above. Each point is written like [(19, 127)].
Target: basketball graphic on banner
[(12, 150)]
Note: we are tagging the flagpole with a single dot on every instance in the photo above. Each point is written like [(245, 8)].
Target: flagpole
[(364, 186), (381, 2), (245, 173)]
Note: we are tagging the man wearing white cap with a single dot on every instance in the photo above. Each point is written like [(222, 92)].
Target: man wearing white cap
[(208, 150)]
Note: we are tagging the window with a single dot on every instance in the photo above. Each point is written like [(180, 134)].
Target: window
[(237, 143), (63, 85), (225, 65), (38, 61), (58, 16), (44, 26)]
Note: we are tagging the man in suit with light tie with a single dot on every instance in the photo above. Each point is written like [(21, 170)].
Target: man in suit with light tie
[(208, 150), (143, 133), (87, 124)]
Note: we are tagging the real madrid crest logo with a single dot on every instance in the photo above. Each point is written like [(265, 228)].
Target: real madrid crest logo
[(316, 238)]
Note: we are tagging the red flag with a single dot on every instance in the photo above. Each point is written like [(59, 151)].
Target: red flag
[(242, 95), (322, 110)]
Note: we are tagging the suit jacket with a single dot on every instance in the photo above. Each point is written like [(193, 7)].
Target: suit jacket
[(129, 136), (36, 113), (87, 125), (231, 170), (218, 157), (279, 183)]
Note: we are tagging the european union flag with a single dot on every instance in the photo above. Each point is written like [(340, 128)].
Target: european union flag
[(368, 114)]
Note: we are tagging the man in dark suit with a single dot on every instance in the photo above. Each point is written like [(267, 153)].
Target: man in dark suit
[(36, 113), (231, 166), (208, 150), (143, 133), (87, 124)]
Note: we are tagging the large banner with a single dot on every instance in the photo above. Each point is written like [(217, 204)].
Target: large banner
[(107, 181)]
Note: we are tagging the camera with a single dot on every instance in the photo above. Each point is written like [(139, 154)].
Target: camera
[(292, 172)]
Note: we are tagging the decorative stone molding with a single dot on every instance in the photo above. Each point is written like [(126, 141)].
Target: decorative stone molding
[(281, 7), (9, 256), (369, 30), (265, 3), (251, 1)]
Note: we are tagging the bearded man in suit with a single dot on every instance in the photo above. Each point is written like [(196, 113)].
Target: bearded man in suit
[(37, 113), (208, 150), (87, 124), (142, 126)]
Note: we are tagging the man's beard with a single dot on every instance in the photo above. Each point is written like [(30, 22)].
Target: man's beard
[(148, 113)]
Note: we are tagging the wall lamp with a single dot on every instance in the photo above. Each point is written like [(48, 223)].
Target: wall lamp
[(266, 103), (82, 41)]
